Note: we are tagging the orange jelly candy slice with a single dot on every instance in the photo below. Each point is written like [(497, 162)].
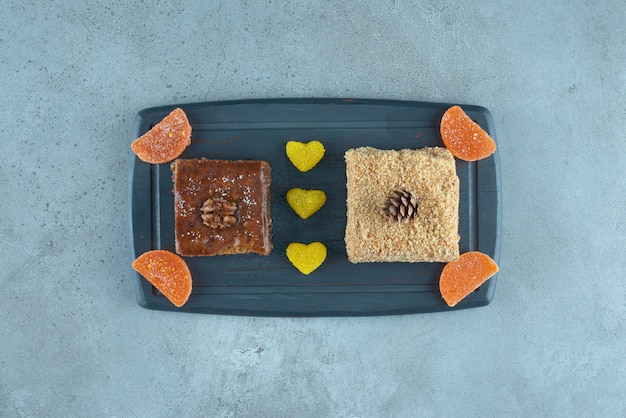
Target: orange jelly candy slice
[(167, 272), (461, 277), (166, 140), (465, 138)]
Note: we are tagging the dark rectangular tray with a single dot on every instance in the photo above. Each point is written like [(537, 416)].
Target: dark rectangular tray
[(271, 286)]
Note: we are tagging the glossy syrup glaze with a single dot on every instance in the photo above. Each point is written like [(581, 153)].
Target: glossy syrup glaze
[(244, 182)]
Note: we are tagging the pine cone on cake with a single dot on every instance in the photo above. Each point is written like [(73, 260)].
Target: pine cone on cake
[(400, 206)]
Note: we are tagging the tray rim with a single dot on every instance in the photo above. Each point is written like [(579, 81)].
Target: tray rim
[(390, 303)]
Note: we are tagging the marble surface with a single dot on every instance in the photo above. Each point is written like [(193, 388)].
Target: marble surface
[(74, 342)]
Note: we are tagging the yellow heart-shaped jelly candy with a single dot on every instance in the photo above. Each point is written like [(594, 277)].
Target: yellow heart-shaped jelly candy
[(306, 258), (306, 202), (304, 156)]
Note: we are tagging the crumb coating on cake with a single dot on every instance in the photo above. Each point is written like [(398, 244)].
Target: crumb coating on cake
[(430, 174)]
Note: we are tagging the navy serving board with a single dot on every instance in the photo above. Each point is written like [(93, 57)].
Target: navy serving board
[(271, 286)]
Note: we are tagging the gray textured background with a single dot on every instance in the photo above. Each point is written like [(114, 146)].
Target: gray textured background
[(73, 342)]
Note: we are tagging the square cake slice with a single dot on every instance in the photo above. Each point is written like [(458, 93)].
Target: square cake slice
[(429, 174), (222, 207)]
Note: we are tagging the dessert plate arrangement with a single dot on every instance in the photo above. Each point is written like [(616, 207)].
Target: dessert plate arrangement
[(250, 284)]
